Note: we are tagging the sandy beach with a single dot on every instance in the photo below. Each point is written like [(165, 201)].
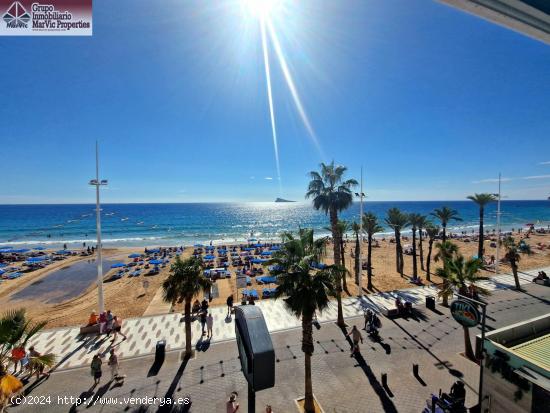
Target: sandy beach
[(126, 297)]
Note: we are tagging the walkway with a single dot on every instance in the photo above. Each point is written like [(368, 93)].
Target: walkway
[(143, 333)]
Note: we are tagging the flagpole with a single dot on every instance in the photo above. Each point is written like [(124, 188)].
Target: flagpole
[(498, 228)]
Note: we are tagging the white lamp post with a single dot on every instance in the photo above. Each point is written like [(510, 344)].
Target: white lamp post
[(361, 195), (498, 227), (97, 183)]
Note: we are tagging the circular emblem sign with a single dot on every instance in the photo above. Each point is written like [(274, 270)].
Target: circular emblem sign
[(465, 313)]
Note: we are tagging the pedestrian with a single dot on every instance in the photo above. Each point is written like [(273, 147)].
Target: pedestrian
[(268, 409), (232, 405), (102, 322), (96, 369), (209, 324), (109, 323), (113, 364), (229, 305), (37, 368), (117, 327), (356, 337), (204, 305), (203, 321)]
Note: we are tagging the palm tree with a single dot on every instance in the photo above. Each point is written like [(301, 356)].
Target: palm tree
[(445, 253), (397, 220), (513, 256), (332, 194), (356, 228), (432, 232), (445, 214), (184, 282), (422, 223), (371, 227), (305, 291), (415, 220), (481, 200), (343, 227), (459, 274), (15, 332)]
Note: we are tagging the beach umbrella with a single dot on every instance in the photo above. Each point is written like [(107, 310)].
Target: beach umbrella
[(2, 265), (63, 252), (249, 249), (36, 259), (118, 265), (222, 251), (258, 245), (198, 245), (39, 248), (134, 255), (252, 239), (209, 257), (258, 260), (266, 253), (209, 248), (21, 250), (153, 251), (156, 262), (4, 250), (275, 248), (2, 272)]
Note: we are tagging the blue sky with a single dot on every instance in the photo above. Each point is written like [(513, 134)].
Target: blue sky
[(431, 101)]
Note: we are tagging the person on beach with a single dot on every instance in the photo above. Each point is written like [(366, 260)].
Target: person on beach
[(268, 409), (203, 322), (356, 337), (93, 319), (232, 406), (209, 325), (196, 307), (102, 322), (96, 369), (229, 305), (39, 367), (113, 364)]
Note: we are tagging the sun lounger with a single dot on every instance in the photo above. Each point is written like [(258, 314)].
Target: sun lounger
[(267, 280), (268, 292), (250, 293)]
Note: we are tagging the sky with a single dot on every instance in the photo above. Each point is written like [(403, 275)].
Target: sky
[(430, 101)]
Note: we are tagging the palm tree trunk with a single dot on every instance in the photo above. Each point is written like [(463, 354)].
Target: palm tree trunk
[(337, 261), (307, 348), (515, 272), (343, 258), (480, 240), (396, 250), (444, 226), (415, 264), (429, 259), (369, 262), (357, 261), (469, 352), (399, 249), (445, 301), (420, 250), (187, 309)]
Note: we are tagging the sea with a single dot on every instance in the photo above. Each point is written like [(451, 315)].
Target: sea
[(139, 225)]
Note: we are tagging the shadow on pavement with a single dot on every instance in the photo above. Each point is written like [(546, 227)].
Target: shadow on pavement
[(170, 392)]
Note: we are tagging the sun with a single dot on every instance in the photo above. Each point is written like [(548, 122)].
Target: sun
[(260, 8)]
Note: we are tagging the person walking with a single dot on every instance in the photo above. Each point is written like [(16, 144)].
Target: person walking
[(268, 409), (203, 321), (36, 368), (356, 337), (113, 364), (229, 305), (232, 406), (209, 325), (102, 322), (96, 369), (117, 328), (109, 323)]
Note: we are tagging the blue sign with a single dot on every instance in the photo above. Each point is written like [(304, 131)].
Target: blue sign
[(465, 313)]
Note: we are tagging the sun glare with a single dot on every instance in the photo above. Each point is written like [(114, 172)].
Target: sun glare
[(260, 8)]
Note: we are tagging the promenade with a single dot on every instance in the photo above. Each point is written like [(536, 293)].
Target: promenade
[(433, 340)]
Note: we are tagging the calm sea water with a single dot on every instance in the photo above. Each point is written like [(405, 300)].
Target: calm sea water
[(177, 224)]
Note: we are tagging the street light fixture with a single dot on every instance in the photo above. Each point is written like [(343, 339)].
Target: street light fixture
[(360, 195), (97, 183)]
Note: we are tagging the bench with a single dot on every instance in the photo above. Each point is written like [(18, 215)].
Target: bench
[(93, 329)]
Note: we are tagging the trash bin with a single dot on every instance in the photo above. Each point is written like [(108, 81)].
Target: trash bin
[(160, 351), (430, 302)]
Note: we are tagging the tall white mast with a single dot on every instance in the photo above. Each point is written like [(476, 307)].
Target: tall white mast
[(498, 227)]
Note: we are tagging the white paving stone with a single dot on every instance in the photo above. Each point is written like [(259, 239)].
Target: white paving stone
[(144, 332)]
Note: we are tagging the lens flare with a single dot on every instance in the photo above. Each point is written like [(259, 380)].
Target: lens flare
[(270, 98), (292, 87)]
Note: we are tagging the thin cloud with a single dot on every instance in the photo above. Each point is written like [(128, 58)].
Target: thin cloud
[(268, 178), (536, 177), (544, 163), (252, 177), (491, 180)]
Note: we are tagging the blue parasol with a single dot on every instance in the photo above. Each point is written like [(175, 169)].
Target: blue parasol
[(258, 260), (4, 250), (209, 257), (156, 262), (198, 245), (39, 248), (36, 259), (134, 255), (21, 250), (118, 265), (266, 253)]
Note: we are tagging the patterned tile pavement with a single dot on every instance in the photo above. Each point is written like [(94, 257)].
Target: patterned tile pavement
[(74, 350)]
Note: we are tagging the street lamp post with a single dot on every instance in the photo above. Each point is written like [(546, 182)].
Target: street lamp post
[(361, 195), (498, 227), (97, 183)]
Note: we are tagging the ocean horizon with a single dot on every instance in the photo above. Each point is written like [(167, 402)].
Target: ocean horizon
[(164, 224)]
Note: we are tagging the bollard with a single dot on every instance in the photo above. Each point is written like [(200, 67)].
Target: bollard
[(384, 380), (160, 350), (415, 370)]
